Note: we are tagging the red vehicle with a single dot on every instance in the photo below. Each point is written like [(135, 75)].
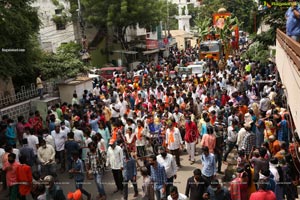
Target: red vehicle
[(108, 72)]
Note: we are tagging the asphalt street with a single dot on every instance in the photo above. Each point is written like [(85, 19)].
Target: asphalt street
[(183, 174)]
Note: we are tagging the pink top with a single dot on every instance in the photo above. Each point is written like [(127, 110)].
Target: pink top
[(209, 140), (11, 175)]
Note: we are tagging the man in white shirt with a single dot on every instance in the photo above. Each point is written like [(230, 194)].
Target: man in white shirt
[(174, 141), (64, 127), (272, 94), (175, 195), (123, 106), (115, 110), (203, 96), (46, 158), (140, 142), (177, 115), (59, 137), (179, 99), (240, 137), (214, 107), (49, 139), (33, 142), (96, 90), (78, 134), (167, 160), (264, 104), (115, 160)]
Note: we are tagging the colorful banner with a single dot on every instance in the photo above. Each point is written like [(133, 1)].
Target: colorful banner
[(219, 19), (152, 44)]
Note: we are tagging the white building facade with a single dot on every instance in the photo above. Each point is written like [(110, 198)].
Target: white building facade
[(195, 2), (183, 16), (56, 27)]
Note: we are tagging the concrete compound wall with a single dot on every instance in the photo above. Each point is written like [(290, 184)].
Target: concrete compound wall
[(16, 110), (24, 108)]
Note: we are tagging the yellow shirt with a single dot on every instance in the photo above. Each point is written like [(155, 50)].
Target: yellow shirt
[(39, 83), (248, 68)]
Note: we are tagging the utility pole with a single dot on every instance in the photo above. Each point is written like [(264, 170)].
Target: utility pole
[(80, 20), (168, 16)]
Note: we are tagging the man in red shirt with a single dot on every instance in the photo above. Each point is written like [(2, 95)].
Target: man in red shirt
[(10, 166), (24, 178), (191, 138), (262, 192)]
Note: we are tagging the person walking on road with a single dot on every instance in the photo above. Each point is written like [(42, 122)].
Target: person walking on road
[(167, 160), (78, 172), (196, 186), (158, 177), (232, 138), (129, 174), (191, 138), (174, 142), (208, 164), (95, 167), (115, 160), (24, 178), (147, 187), (46, 159)]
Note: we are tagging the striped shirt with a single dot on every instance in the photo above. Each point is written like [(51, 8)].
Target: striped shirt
[(158, 176), (248, 142)]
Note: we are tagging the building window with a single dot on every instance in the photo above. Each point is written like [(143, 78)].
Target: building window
[(58, 11), (60, 26), (60, 21)]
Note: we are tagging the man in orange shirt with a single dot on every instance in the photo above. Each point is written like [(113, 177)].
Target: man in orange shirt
[(274, 145), (24, 178), (11, 176)]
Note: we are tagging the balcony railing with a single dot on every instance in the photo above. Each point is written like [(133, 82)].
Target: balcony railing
[(291, 47)]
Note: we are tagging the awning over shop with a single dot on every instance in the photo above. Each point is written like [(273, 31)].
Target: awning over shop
[(150, 51), (125, 52), (141, 46)]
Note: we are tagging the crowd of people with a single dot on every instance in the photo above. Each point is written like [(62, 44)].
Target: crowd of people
[(143, 124)]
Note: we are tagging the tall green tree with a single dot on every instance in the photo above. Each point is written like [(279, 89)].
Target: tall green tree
[(274, 16), (257, 52), (118, 15), (19, 24), (244, 11), (65, 63), (203, 27)]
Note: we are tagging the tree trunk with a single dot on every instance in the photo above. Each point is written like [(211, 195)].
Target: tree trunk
[(120, 36)]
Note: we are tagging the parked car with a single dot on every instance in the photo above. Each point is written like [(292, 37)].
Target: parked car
[(108, 72), (198, 67)]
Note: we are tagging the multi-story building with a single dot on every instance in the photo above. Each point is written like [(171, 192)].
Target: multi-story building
[(56, 24)]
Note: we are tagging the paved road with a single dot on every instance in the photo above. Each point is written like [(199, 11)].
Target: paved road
[(182, 175)]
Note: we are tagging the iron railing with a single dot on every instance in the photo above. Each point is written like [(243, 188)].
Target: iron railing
[(9, 98)]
